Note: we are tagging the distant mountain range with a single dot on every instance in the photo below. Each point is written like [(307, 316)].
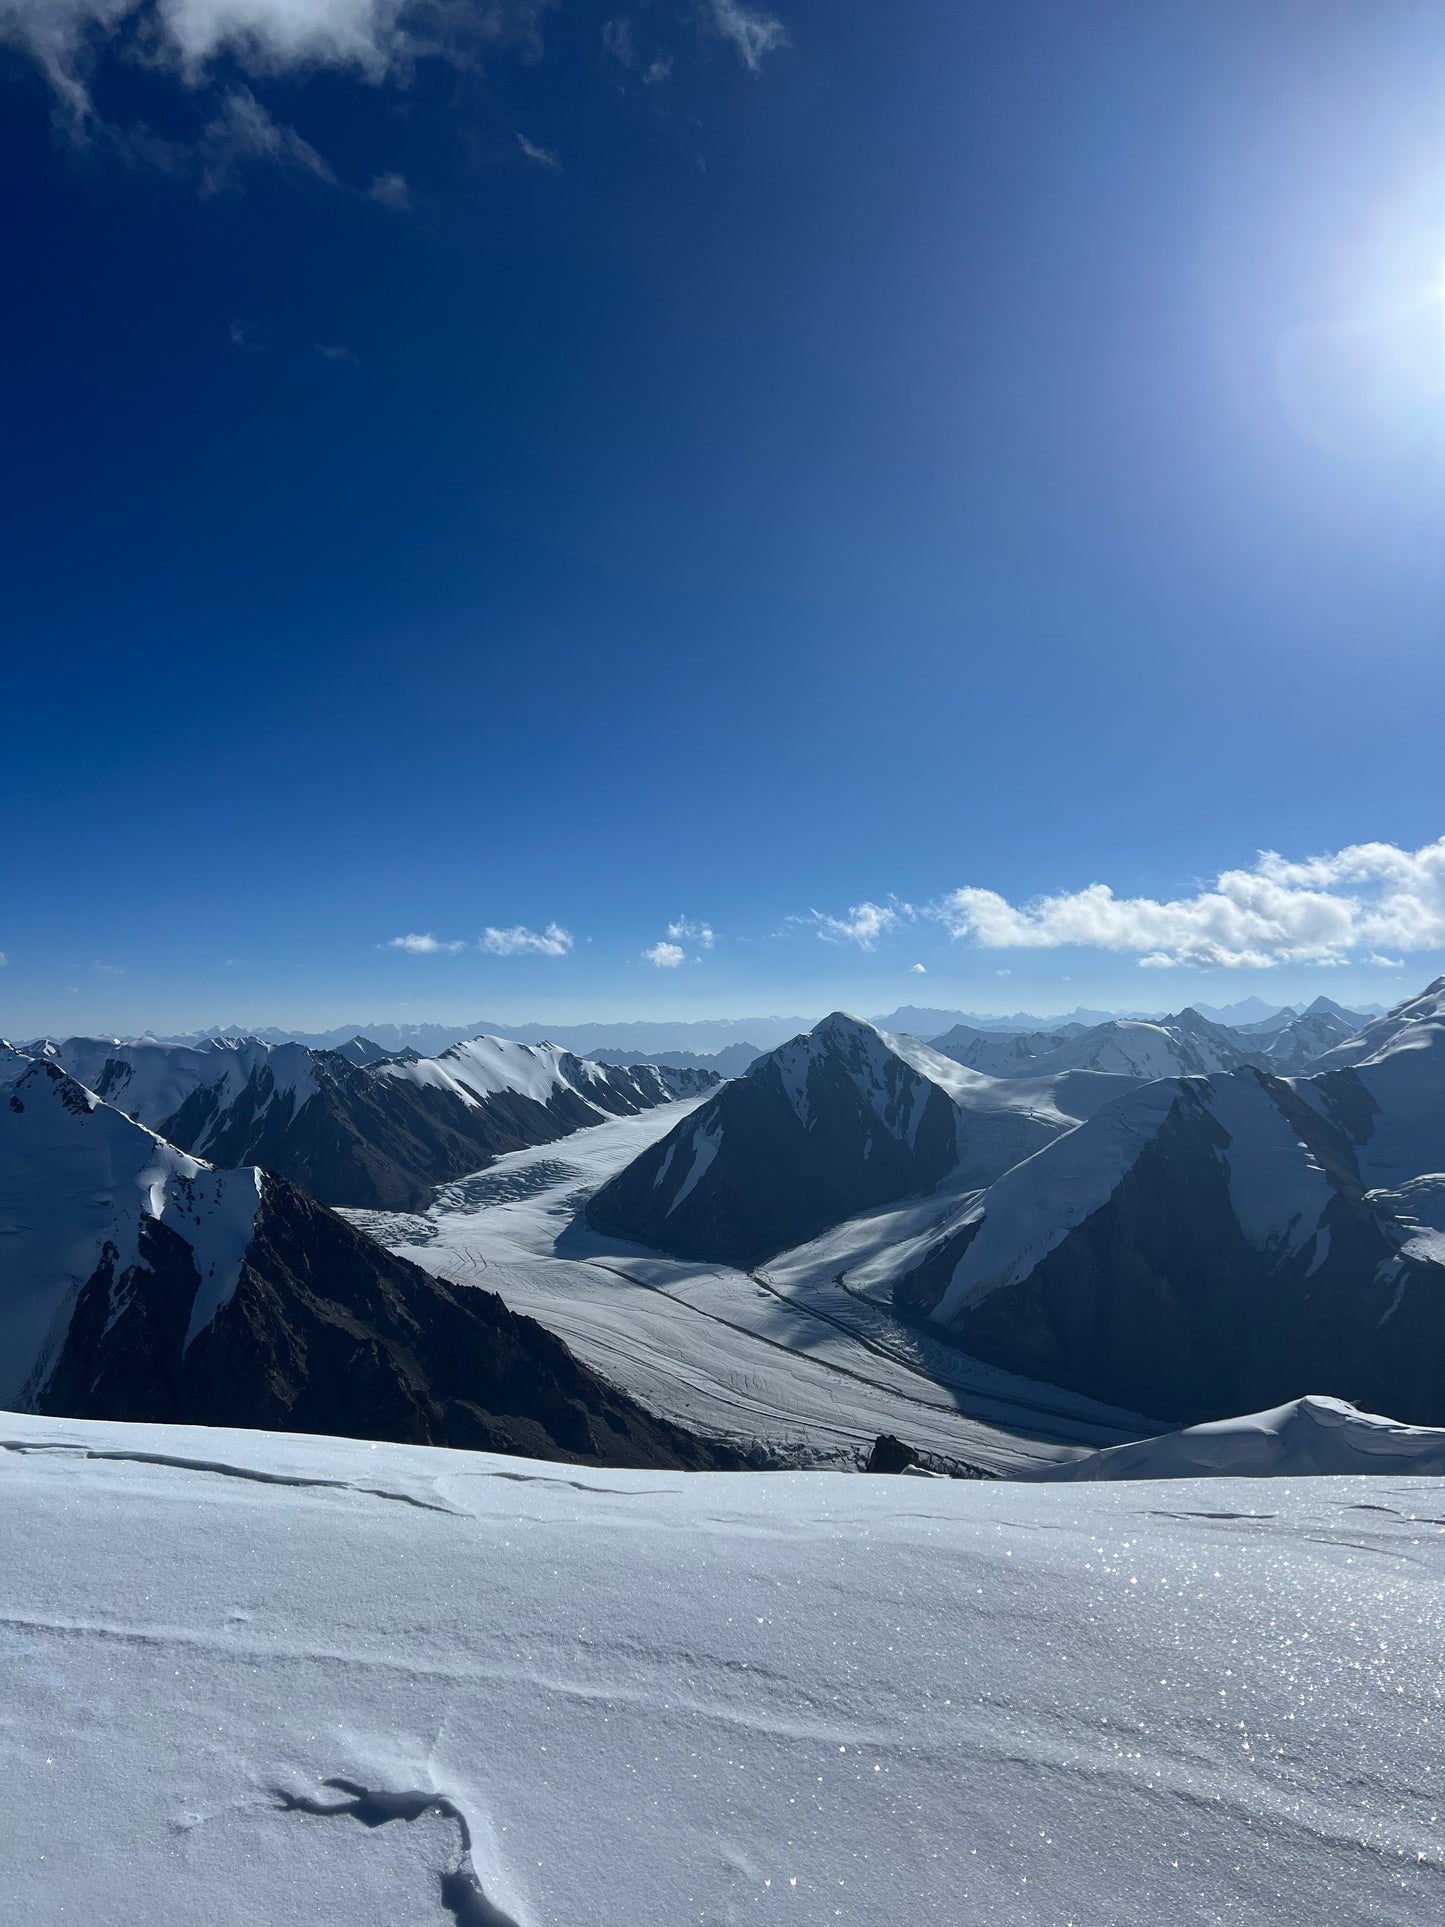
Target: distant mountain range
[(141, 1283), (702, 1042), (1183, 1045)]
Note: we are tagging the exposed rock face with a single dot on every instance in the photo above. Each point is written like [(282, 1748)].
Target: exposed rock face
[(380, 1134), (839, 1120), (149, 1286), (1200, 1246)]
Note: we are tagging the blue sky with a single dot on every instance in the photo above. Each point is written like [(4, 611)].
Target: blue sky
[(839, 475)]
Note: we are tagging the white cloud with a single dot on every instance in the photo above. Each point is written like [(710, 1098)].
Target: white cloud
[(423, 944), (694, 931), (661, 69), (543, 156), (3, 960), (864, 924), (754, 33), (108, 969), (918, 970), (519, 941), (667, 956), (390, 190), (1324, 910), (369, 37), (334, 351)]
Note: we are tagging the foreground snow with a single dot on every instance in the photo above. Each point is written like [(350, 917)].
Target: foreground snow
[(385, 1684), (803, 1357)]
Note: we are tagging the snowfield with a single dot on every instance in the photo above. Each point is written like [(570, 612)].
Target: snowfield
[(797, 1357), (265, 1681)]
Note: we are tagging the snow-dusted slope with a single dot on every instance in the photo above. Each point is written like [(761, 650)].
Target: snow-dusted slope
[(1203, 1245), (371, 1686), (354, 1130), (84, 1194), (138, 1282), (1308, 1438), (835, 1122)]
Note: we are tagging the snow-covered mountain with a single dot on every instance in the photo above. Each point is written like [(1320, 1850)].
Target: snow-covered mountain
[(1207, 1244), (137, 1282), (838, 1121), (378, 1134), (1182, 1045)]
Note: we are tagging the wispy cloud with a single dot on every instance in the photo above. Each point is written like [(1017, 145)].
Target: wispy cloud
[(418, 943), (660, 70), (918, 970), (543, 156), (3, 960), (108, 969), (390, 190), (243, 132), (864, 924), (1352, 905), (752, 32), (691, 930), (334, 351), (519, 941), (666, 956), (617, 39)]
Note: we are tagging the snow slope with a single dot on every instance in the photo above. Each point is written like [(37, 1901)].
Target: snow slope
[(80, 1182), (1308, 1438), (1207, 1245), (385, 1685)]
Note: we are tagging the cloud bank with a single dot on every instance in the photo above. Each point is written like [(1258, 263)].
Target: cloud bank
[(1357, 904)]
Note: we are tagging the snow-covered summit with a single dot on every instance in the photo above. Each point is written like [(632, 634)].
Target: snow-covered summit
[(1311, 1437)]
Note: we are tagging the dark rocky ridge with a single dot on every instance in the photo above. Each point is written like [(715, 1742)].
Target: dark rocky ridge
[(1158, 1301), (327, 1332), (370, 1138)]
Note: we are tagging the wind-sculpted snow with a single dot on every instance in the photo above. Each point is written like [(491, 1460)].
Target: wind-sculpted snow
[(652, 1698)]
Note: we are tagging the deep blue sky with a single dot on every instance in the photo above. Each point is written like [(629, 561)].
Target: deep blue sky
[(984, 446)]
